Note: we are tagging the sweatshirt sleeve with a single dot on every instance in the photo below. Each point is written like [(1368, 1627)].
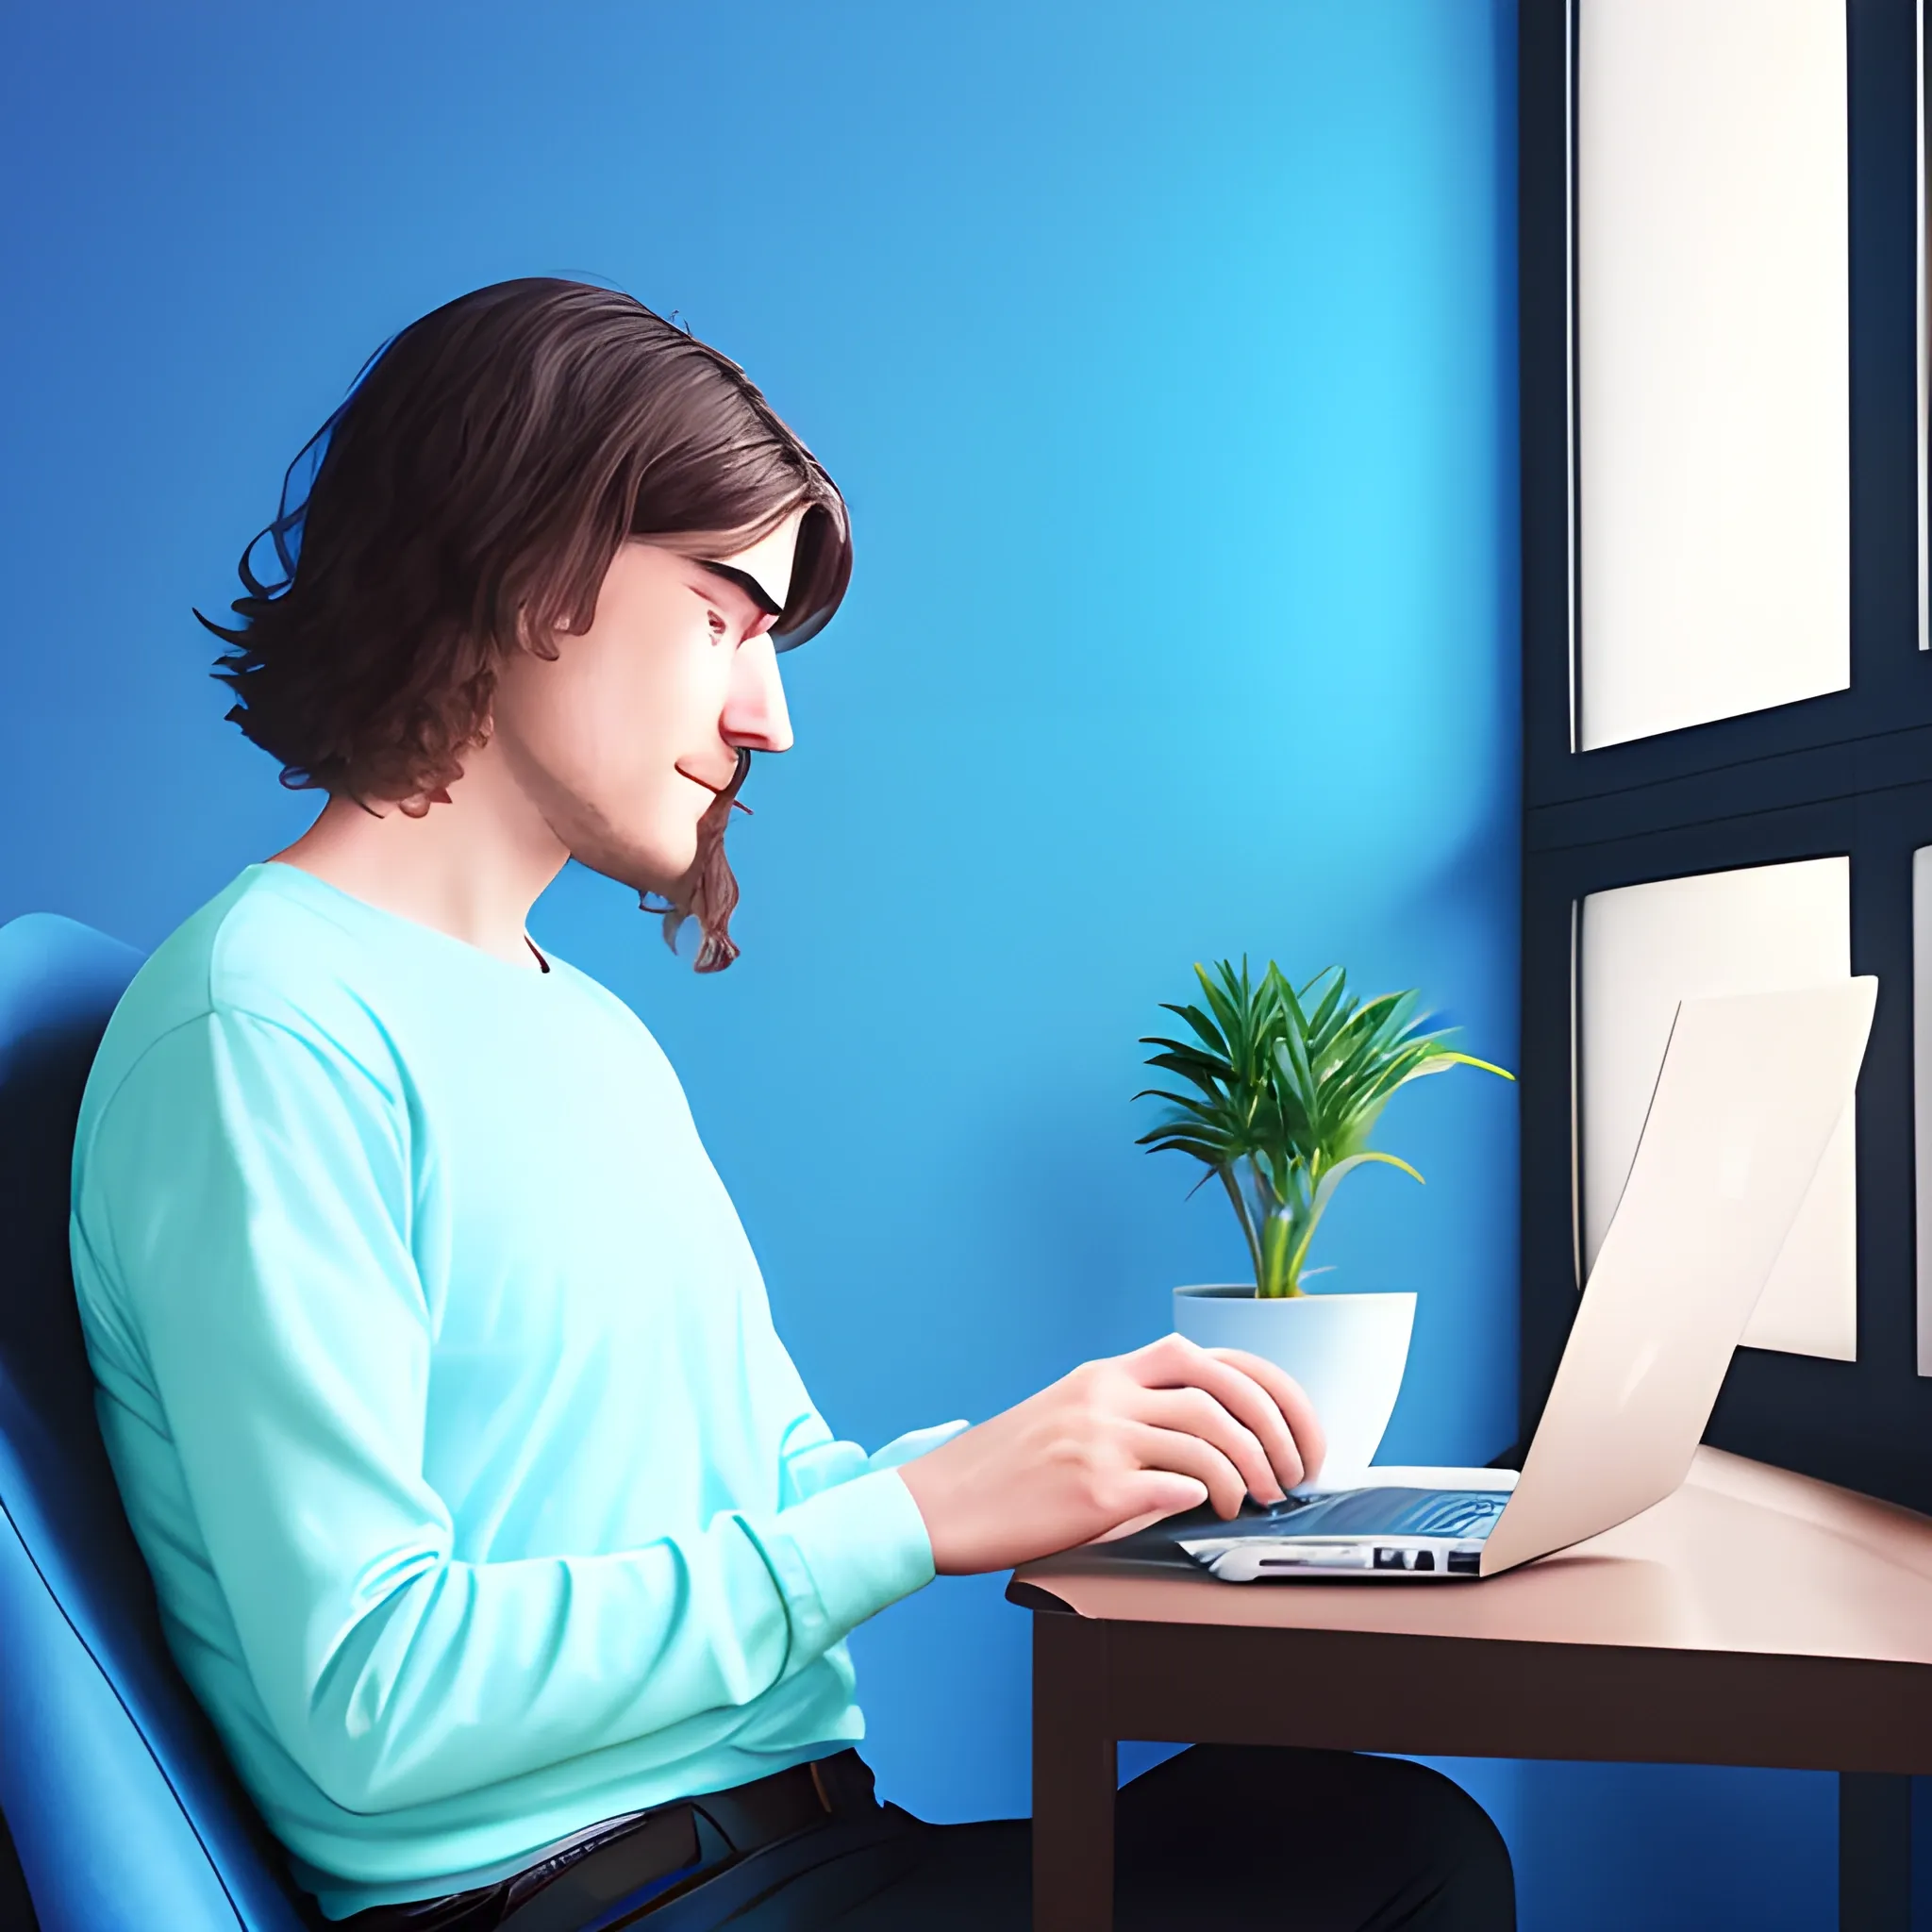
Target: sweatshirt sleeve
[(814, 1462), (249, 1190)]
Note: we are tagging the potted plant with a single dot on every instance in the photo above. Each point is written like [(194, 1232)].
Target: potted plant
[(1288, 1085)]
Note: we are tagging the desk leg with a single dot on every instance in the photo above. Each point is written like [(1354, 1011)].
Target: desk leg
[(1074, 1773), (1874, 1852)]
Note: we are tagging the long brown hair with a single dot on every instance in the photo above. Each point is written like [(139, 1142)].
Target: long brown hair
[(466, 501)]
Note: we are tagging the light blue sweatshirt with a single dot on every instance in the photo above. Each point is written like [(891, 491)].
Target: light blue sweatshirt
[(482, 1500)]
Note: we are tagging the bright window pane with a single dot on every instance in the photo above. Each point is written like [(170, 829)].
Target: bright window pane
[(1646, 947), (1922, 1086), (1712, 360)]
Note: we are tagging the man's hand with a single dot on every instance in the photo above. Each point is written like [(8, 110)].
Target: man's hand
[(1112, 1447)]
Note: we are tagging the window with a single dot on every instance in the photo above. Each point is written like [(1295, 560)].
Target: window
[(1727, 711), (1640, 950), (1712, 395)]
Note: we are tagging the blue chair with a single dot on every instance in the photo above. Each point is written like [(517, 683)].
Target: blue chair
[(124, 1812)]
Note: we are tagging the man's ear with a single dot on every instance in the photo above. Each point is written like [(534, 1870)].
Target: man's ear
[(418, 806), (540, 643)]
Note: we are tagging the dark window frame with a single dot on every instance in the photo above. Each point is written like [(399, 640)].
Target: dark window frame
[(1850, 773)]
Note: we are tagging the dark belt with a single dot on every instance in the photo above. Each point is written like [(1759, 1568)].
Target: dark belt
[(710, 1833)]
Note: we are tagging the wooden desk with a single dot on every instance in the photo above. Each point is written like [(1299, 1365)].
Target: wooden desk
[(1755, 1617)]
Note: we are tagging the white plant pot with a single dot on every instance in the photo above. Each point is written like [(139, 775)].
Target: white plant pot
[(1347, 1351)]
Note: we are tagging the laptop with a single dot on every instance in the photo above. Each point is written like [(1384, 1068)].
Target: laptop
[(1751, 1088)]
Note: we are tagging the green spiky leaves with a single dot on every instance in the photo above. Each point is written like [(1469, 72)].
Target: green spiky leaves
[(1288, 1085)]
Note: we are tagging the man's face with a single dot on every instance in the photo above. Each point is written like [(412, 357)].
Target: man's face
[(624, 741)]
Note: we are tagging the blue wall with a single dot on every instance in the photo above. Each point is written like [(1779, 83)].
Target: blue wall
[(1166, 358)]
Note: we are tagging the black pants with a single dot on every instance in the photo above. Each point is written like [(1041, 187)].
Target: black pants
[(1221, 1838)]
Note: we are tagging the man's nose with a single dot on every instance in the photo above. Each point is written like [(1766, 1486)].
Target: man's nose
[(755, 713)]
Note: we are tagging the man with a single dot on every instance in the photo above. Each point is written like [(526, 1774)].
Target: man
[(488, 1516)]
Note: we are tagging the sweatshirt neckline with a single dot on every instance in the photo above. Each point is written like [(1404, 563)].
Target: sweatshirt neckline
[(297, 879)]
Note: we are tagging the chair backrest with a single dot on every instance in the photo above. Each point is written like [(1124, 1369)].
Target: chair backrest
[(122, 1806)]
